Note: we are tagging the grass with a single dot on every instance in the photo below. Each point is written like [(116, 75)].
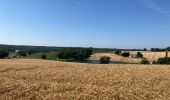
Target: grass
[(51, 80), (50, 56)]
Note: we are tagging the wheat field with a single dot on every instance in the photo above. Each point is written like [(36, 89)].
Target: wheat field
[(52, 80)]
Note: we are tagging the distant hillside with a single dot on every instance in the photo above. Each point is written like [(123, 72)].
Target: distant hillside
[(28, 48), (45, 48)]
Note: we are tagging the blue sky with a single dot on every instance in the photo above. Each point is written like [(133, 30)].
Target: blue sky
[(86, 23)]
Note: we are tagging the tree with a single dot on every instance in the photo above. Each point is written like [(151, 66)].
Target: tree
[(22, 54), (118, 52), (139, 55), (43, 56), (3, 54), (75, 54), (125, 54), (165, 60), (104, 60), (145, 49), (145, 61), (166, 54)]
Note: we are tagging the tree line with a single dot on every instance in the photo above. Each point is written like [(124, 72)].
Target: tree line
[(75, 54)]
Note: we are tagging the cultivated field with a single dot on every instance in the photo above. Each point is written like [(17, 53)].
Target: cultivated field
[(151, 56), (115, 57), (50, 80)]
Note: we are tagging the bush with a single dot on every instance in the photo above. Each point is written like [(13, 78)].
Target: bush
[(22, 54), (165, 60), (3, 54), (145, 61), (139, 55), (125, 54), (118, 52), (154, 62), (43, 56), (145, 49), (104, 60)]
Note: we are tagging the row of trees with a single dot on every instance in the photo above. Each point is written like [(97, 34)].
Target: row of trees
[(160, 49), (4, 54), (75, 54), (165, 60), (127, 54)]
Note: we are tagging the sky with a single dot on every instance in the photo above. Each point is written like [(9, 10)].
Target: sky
[(86, 23)]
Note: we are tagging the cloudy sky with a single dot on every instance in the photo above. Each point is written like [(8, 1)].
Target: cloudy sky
[(86, 23)]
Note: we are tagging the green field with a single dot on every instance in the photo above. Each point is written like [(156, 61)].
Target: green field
[(50, 56)]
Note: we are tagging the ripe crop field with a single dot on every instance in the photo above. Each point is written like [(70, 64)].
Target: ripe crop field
[(52, 80)]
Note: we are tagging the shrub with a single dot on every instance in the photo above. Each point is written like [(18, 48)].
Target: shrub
[(22, 54), (145, 49), (125, 54), (43, 56), (145, 61), (154, 62), (139, 55), (3, 54), (165, 60), (118, 52), (104, 60)]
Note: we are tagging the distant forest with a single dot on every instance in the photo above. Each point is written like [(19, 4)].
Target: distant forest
[(26, 48)]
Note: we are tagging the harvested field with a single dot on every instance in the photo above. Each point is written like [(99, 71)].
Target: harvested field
[(151, 56), (115, 57), (50, 80)]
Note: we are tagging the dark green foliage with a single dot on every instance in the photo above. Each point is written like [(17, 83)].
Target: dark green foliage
[(154, 62), (125, 54), (3, 54), (145, 49), (31, 52), (22, 54), (28, 48), (99, 50), (157, 49), (145, 61), (75, 54), (165, 60), (104, 60), (139, 55), (43, 56), (118, 52)]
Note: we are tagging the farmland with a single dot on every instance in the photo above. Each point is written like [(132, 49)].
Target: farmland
[(25, 79), (151, 56)]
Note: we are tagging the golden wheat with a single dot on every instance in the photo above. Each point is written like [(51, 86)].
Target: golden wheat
[(50, 80)]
